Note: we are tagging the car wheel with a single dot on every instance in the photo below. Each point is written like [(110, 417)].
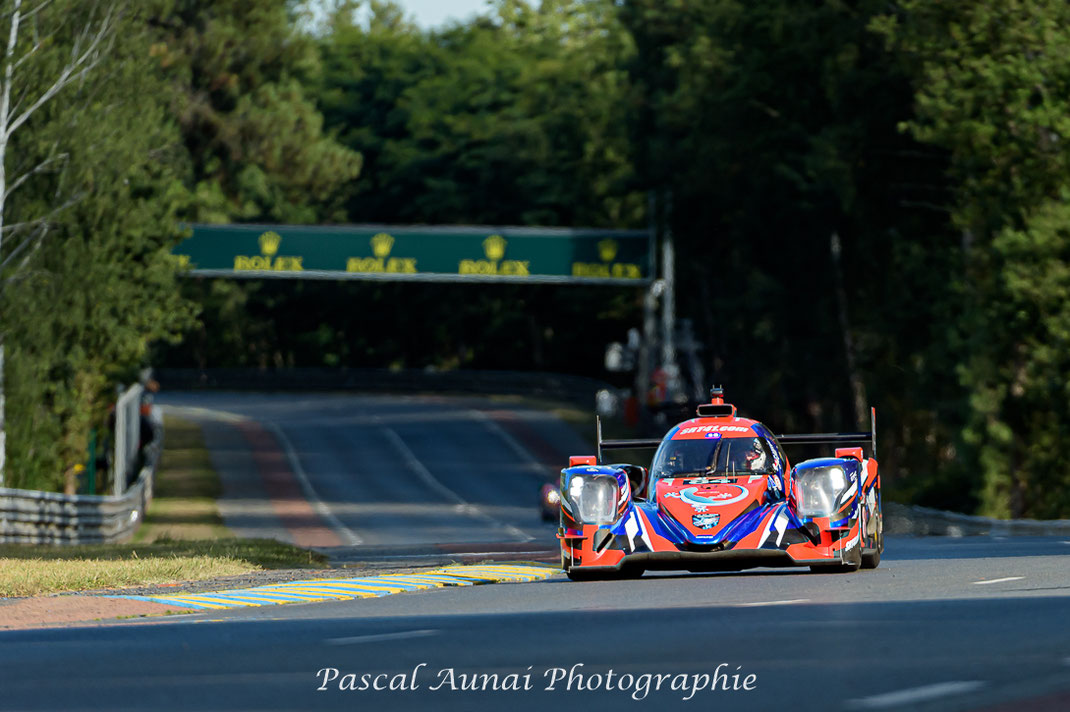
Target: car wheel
[(871, 558)]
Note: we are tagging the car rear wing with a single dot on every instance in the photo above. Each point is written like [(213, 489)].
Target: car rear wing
[(869, 438), (633, 444)]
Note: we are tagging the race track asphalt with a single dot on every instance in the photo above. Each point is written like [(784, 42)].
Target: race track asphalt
[(980, 624), (384, 470), (922, 632)]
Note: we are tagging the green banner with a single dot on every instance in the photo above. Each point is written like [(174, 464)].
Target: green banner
[(432, 254)]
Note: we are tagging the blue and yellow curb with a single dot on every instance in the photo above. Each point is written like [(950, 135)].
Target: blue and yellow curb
[(351, 588)]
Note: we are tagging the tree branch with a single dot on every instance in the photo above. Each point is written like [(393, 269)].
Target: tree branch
[(81, 64), (43, 219), (39, 168), (34, 240)]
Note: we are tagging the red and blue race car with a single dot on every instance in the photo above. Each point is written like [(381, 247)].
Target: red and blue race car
[(720, 495)]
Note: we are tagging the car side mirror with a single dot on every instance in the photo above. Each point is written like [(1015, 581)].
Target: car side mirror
[(638, 478)]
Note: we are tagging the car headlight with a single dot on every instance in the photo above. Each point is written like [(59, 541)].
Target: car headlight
[(593, 498), (817, 490)]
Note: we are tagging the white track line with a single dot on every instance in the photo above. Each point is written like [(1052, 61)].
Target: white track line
[(915, 695), (322, 509), (772, 603), (433, 482), (999, 580), (400, 635), (192, 411)]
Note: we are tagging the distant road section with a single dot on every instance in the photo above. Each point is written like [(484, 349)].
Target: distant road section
[(380, 471)]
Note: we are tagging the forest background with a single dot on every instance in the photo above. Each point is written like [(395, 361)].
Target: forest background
[(870, 202)]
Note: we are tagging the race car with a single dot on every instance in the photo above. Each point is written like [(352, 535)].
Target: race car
[(720, 495)]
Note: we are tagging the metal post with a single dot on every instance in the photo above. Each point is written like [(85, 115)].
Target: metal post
[(642, 373), (668, 310), (650, 302)]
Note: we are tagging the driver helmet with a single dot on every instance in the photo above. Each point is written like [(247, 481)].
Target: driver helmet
[(756, 456)]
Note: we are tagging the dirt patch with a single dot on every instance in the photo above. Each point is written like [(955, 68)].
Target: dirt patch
[(53, 611)]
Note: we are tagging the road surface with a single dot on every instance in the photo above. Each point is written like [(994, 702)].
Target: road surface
[(980, 624)]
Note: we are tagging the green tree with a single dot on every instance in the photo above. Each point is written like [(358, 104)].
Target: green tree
[(256, 145), (97, 284), (773, 126), (516, 118), (993, 90), (255, 149), (512, 119)]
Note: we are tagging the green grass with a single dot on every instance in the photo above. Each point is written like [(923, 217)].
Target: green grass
[(184, 503), (182, 539), (38, 570)]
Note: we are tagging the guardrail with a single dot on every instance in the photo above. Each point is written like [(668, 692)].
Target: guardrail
[(33, 517), (923, 521), (127, 432)]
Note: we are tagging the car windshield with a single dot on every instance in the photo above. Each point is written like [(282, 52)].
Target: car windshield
[(722, 456)]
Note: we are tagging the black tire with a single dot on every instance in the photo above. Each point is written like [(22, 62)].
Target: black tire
[(871, 558)]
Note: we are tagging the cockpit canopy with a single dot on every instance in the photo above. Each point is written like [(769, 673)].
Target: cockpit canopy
[(720, 456)]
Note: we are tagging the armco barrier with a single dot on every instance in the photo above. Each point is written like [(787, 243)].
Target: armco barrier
[(923, 521), (32, 517)]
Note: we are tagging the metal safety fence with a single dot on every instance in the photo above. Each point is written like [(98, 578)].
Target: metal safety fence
[(915, 520), (36, 517), (127, 435)]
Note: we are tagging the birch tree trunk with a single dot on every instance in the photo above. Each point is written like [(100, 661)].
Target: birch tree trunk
[(5, 103), (19, 241)]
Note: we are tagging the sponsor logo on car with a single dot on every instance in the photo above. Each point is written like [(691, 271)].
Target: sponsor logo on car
[(695, 429), (706, 521), (716, 499)]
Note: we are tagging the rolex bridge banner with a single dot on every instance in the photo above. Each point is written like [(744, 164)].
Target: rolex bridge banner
[(419, 253)]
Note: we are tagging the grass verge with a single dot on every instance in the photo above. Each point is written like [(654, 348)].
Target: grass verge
[(182, 539), (184, 499)]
